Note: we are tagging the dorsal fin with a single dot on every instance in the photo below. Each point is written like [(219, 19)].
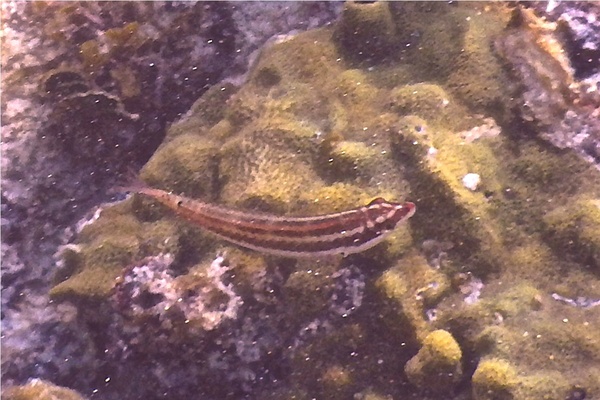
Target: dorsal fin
[(377, 200)]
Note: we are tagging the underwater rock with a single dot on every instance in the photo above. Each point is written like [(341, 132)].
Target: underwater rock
[(579, 27), (542, 68), (562, 109), (199, 300), (437, 366)]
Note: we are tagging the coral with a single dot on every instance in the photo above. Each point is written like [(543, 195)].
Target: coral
[(477, 77), (366, 31), (437, 366), (117, 240), (452, 44), (407, 295), (494, 380), (38, 389), (337, 383), (430, 102), (308, 289), (186, 164), (576, 228)]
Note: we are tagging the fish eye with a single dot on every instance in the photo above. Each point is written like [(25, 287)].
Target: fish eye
[(179, 203)]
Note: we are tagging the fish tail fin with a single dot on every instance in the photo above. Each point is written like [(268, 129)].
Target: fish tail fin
[(129, 182)]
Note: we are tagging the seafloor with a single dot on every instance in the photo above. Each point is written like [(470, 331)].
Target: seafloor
[(485, 115)]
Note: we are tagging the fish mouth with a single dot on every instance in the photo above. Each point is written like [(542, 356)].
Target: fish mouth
[(412, 208)]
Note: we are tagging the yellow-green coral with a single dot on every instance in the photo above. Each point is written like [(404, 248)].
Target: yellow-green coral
[(576, 227), (337, 383), (366, 30), (477, 75), (108, 245), (430, 102), (185, 165), (206, 112), (437, 366), (38, 389), (494, 379), (406, 291)]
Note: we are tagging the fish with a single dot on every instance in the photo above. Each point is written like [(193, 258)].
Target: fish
[(344, 233)]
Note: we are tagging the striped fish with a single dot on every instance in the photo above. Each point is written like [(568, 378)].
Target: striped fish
[(345, 232)]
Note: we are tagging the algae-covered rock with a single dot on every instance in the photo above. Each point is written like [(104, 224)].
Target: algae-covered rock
[(437, 366), (494, 379), (38, 389)]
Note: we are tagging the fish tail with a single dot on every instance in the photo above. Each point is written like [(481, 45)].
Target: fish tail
[(129, 182)]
